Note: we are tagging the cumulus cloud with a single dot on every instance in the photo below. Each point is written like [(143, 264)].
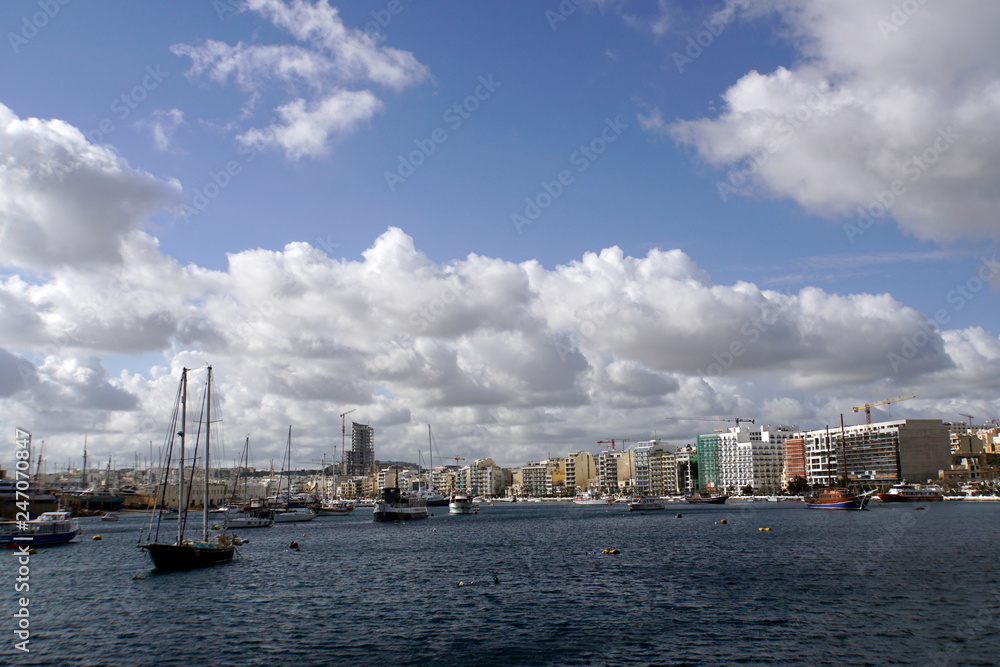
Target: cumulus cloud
[(883, 95), (65, 201), (325, 74), (509, 360)]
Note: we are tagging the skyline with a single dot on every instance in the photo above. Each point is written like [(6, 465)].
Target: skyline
[(531, 225)]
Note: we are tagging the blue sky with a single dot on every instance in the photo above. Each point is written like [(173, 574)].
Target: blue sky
[(160, 158)]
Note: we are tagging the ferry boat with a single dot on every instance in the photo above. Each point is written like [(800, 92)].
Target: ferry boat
[(394, 505), (645, 503), (587, 498), (706, 499), (460, 503), (836, 499), (908, 493), (55, 527)]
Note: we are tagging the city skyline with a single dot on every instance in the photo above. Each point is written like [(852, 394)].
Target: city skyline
[(533, 226)]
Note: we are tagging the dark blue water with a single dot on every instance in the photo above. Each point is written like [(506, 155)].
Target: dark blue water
[(891, 586)]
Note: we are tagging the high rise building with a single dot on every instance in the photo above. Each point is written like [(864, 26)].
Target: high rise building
[(580, 471), (361, 459), (752, 456)]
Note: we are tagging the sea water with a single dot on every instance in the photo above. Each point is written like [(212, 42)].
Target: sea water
[(530, 584)]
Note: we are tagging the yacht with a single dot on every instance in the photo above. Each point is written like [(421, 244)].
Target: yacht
[(392, 504), (460, 503), (641, 503)]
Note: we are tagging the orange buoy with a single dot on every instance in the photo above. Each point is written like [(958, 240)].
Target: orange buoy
[(96, 537), (678, 515), (293, 545), (723, 521)]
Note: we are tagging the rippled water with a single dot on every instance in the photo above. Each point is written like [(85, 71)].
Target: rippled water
[(889, 586)]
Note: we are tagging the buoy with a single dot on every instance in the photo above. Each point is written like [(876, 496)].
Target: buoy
[(678, 515), (918, 508), (136, 576), (215, 526), (496, 580), (293, 545), (723, 521), (764, 529), (96, 537), (611, 551)]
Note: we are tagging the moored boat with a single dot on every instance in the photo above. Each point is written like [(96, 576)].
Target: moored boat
[(836, 499), (706, 498), (645, 503), (56, 527), (588, 498), (183, 553), (460, 502), (394, 505), (909, 493), (248, 517), (334, 508)]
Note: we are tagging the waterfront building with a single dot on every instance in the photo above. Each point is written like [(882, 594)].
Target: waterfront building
[(218, 493), (489, 479), (663, 473), (795, 460), (647, 467), (686, 468), (752, 456), (707, 445), (361, 459), (533, 478), (614, 470), (581, 471), (915, 450), (972, 462), (388, 478)]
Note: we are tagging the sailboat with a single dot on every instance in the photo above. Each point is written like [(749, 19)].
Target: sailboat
[(182, 553), (290, 513), (431, 494), (837, 498), (248, 514)]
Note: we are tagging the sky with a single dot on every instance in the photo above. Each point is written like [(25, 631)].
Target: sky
[(534, 226)]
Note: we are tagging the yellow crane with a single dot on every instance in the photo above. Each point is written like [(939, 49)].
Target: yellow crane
[(867, 407)]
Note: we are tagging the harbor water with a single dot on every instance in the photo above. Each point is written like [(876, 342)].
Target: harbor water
[(530, 584)]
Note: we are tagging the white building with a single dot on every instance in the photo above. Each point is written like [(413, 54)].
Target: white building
[(752, 455)]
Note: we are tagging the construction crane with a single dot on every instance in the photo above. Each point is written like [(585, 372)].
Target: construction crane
[(611, 442), (343, 438), (867, 407), (714, 419), (457, 459), (969, 417)]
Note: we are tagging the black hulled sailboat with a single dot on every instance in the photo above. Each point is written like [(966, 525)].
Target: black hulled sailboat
[(184, 554)]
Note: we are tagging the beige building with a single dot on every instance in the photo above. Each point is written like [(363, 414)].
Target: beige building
[(581, 471)]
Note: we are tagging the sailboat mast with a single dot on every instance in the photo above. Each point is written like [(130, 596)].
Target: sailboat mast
[(430, 449), (180, 489), (208, 452), (843, 449)]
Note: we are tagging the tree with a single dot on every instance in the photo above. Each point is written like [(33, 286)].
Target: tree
[(747, 490), (797, 485)]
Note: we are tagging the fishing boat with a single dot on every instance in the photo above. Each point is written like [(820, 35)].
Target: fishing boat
[(392, 504), (698, 498), (460, 502), (909, 493), (183, 553), (334, 508), (642, 503), (56, 527)]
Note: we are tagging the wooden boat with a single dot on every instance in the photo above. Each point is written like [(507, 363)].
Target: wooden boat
[(836, 499), (706, 499)]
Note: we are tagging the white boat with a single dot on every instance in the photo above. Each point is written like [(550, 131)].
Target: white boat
[(394, 505), (248, 517), (109, 516), (334, 508), (645, 503), (587, 498), (293, 514), (55, 527), (460, 503)]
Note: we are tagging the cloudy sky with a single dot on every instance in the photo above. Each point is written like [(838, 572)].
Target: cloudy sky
[(532, 225)]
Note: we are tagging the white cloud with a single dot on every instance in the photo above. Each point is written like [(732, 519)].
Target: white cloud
[(65, 201), (326, 75), (880, 96), (507, 360)]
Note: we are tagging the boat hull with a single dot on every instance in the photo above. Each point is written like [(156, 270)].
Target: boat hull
[(708, 500), (48, 529), (188, 556), (387, 513), (460, 507), (292, 516)]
